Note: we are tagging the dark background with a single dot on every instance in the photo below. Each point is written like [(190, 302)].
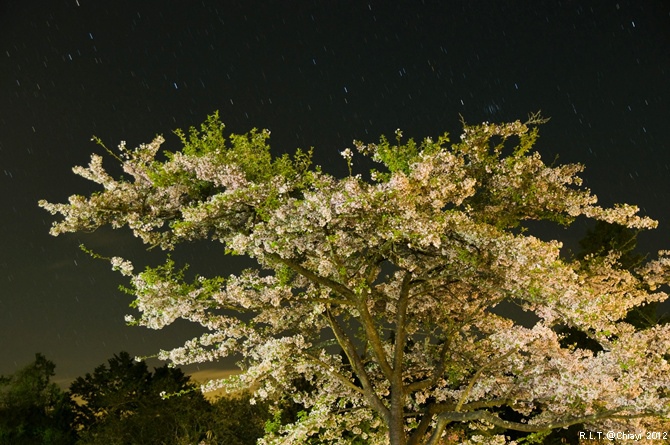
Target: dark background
[(316, 73)]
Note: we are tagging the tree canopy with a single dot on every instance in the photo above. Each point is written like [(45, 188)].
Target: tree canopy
[(33, 409), (123, 402), (381, 292)]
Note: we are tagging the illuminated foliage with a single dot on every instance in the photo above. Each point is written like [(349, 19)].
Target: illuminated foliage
[(401, 272)]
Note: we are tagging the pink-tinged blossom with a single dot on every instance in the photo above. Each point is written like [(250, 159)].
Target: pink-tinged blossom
[(383, 296)]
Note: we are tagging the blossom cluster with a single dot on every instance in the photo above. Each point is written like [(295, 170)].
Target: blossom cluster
[(383, 295)]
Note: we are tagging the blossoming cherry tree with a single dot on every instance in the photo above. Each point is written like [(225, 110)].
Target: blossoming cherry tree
[(381, 294)]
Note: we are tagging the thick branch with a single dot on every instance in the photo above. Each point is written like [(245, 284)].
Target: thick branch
[(396, 427), (453, 416), (327, 301), (422, 428), (340, 289), (327, 368), (374, 340), (336, 287), (358, 366), (437, 372), (479, 372), (437, 408), (401, 324)]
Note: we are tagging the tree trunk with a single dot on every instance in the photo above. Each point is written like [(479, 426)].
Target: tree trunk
[(397, 426)]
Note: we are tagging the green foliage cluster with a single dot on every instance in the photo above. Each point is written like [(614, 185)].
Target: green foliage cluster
[(400, 156), (121, 402), (248, 151)]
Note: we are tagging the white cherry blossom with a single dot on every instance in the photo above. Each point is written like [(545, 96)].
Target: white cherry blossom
[(382, 294)]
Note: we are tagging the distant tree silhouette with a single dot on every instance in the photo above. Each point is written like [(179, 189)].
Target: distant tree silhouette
[(237, 422), (122, 404), (33, 410)]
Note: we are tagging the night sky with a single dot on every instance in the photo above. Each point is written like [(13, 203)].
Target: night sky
[(316, 73)]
